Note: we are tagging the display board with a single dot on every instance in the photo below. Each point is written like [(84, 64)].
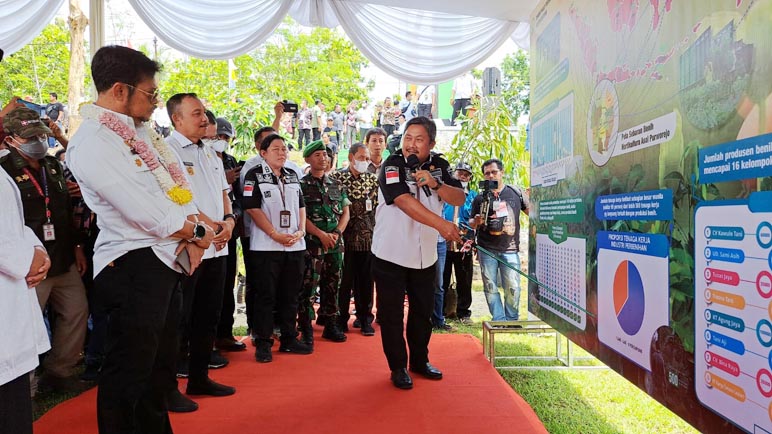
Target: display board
[(651, 210)]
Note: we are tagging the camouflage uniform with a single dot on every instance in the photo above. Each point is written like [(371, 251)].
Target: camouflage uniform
[(324, 201)]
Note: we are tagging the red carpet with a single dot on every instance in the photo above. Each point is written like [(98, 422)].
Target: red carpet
[(341, 388)]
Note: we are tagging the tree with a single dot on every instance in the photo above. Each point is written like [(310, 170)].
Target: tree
[(515, 83), (77, 22), (490, 133), (293, 64), (38, 68)]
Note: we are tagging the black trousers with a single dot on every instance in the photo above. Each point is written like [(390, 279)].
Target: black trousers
[(142, 298), (16, 406), (462, 265), (276, 281), (249, 290), (459, 105), (201, 303), (225, 325), (393, 281), (357, 279)]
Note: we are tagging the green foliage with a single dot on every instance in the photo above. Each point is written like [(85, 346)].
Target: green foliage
[(294, 64), (489, 134), (40, 67), (515, 83)]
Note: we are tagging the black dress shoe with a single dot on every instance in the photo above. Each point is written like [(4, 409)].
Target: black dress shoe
[(230, 344), (209, 387), (176, 402), (217, 361), (401, 379), (427, 371)]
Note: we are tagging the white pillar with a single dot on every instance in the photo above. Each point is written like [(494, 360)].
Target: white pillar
[(96, 21)]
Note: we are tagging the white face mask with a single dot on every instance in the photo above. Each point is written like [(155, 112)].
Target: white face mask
[(218, 145), (464, 183), (361, 166)]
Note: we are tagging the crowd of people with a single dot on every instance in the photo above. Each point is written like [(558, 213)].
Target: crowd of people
[(131, 233)]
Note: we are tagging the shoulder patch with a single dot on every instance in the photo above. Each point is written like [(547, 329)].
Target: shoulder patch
[(392, 174), (249, 188)]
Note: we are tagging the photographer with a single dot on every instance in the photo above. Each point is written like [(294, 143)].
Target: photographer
[(497, 220)]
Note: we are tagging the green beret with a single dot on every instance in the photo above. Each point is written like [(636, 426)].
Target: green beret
[(312, 147)]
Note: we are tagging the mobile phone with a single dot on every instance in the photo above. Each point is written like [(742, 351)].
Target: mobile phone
[(31, 105), (183, 260), (290, 107)]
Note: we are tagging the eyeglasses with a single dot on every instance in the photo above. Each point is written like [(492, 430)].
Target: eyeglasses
[(153, 96)]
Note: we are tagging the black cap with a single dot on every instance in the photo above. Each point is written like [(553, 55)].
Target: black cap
[(464, 166)]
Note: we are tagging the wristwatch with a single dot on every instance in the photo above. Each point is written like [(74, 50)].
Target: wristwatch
[(439, 184), (199, 232), (231, 216)]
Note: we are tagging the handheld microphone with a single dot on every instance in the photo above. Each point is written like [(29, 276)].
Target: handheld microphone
[(413, 164)]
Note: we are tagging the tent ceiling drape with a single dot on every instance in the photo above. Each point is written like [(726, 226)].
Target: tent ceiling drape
[(436, 43)]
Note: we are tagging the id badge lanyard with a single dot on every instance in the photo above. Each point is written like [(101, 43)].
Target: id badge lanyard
[(48, 228), (284, 214)]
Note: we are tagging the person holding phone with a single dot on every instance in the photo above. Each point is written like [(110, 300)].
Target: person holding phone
[(274, 208)]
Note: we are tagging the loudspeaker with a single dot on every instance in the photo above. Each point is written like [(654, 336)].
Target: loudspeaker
[(491, 81)]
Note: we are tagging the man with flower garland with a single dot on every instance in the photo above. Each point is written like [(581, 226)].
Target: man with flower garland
[(202, 290), (149, 234)]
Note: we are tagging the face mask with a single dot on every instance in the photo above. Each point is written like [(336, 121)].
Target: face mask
[(361, 166), (35, 148), (217, 144), (464, 184)]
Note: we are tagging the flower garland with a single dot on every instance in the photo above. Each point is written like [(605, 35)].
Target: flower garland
[(166, 170)]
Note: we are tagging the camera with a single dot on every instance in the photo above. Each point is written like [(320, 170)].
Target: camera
[(289, 107), (492, 224), (488, 185)]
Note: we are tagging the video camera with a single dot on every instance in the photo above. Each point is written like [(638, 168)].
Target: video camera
[(492, 224)]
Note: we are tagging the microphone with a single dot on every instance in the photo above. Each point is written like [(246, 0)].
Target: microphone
[(413, 164)]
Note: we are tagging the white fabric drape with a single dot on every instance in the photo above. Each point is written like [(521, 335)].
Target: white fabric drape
[(419, 46), (212, 29), (413, 45), (522, 36), (22, 20)]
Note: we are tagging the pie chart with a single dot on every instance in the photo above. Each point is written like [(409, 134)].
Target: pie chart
[(629, 302)]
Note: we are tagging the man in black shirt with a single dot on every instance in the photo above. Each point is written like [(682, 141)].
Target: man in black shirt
[(500, 235)]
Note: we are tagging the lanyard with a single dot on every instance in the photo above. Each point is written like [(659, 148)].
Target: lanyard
[(281, 191), (43, 192)]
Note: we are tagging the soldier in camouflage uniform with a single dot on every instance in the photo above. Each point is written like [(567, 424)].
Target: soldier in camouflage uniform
[(326, 217)]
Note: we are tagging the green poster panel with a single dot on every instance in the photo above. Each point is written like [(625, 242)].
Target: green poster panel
[(651, 171)]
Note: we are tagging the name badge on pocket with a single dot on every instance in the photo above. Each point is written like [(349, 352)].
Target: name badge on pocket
[(284, 219), (368, 205), (48, 232)]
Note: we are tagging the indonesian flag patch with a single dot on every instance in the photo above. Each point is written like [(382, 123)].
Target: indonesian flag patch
[(249, 187), (392, 174)]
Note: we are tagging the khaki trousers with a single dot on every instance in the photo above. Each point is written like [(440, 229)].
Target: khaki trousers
[(67, 296)]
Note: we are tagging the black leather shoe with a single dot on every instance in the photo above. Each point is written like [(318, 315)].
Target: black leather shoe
[(230, 344), (176, 402), (217, 361), (401, 379), (209, 387), (427, 371), (368, 330), (295, 346), (332, 332)]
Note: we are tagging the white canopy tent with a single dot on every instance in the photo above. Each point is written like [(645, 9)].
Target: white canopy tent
[(437, 42)]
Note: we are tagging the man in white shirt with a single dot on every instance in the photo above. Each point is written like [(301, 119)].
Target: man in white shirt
[(23, 264), (413, 185), (364, 119), (161, 120), (461, 95), (148, 228), (202, 290)]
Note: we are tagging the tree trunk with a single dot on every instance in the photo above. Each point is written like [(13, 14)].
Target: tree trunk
[(77, 22)]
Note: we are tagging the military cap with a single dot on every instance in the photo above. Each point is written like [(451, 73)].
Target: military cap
[(24, 122)]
